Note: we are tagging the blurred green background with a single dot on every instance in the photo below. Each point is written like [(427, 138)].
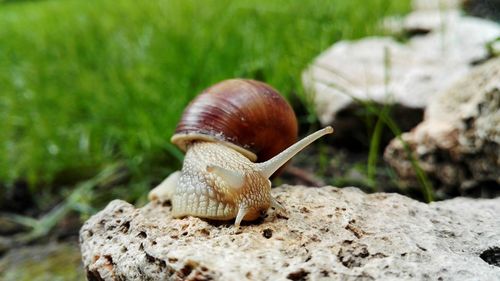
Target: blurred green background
[(91, 91), (87, 83)]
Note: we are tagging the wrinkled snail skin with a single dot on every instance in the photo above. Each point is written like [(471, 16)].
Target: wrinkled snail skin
[(223, 131), (210, 192), (216, 182)]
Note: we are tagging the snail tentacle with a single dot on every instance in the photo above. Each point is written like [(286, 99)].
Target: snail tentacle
[(241, 214), (272, 165)]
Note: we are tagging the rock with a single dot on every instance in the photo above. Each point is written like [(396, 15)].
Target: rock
[(328, 234), (55, 261), (350, 71), (458, 144), (424, 21), (381, 70), (457, 40)]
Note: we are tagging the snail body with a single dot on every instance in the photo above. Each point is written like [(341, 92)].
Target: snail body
[(219, 192), (219, 179)]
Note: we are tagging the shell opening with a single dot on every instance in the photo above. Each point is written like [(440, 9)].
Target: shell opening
[(181, 141)]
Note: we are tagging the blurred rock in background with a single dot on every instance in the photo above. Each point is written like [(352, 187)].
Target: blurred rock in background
[(441, 50), (458, 143), (382, 70)]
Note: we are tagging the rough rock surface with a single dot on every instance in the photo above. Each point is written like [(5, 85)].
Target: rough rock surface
[(385, 71), (458, 144), (328, 234)]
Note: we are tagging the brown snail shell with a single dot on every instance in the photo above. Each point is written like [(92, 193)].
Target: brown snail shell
[(246, 115)]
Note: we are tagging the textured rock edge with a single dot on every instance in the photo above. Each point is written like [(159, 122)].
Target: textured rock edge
[(328, 233)]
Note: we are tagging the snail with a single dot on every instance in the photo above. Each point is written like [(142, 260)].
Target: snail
[(224, 131)]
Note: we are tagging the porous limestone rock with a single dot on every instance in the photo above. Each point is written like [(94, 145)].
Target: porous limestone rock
[(458, 144), (381, 70), (327, 234)]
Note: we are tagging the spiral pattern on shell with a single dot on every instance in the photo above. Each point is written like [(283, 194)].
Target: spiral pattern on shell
[(247, 115)]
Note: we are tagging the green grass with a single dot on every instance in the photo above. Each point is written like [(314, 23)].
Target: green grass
[(87, 83)]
